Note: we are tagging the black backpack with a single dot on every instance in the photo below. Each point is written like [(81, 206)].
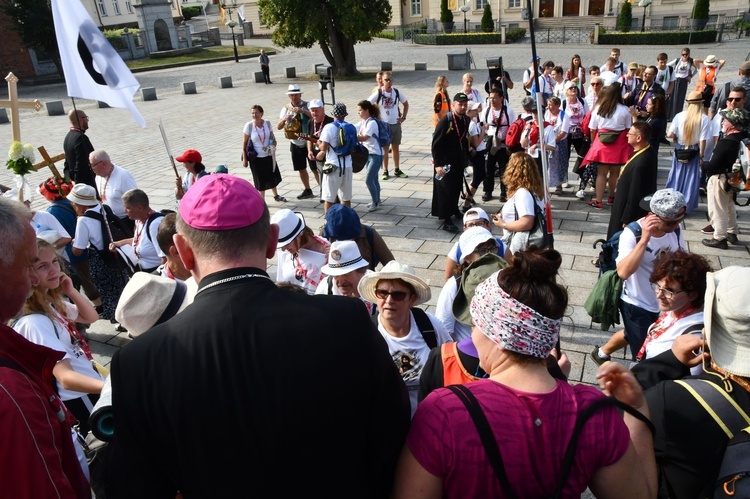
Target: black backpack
[(423, 324), (113, 229), (154, 216)]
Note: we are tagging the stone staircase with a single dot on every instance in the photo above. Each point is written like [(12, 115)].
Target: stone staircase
[(569, 22)]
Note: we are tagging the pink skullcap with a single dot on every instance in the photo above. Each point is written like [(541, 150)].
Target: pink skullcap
[(221, 202), (510, 323)]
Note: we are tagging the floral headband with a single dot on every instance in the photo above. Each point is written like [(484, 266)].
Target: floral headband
[(511, 324)]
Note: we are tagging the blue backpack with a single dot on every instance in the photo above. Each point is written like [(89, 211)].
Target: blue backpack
[(384, 135), (347, 138), (611, 248)]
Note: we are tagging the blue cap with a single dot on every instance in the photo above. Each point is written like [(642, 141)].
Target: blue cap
[(342, 223), (538, 58)]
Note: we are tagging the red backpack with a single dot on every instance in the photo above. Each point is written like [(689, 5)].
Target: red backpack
[(513, 136)]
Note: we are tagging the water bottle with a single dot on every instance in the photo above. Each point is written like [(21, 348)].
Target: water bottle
[(446, 169)]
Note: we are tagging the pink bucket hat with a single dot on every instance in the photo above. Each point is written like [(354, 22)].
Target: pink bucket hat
[(221, 202)]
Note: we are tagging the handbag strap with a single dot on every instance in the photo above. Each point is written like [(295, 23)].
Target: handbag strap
[(485, 433)]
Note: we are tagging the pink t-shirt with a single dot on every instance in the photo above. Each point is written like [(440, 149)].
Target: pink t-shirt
[(445, 442)]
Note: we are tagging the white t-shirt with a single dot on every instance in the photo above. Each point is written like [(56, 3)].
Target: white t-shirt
[(549, 139), (630, 84), (590, 101), (523, 202), (704, 132), (330, 134), (414, 351), (370, 128), (389, 102), (89, 231), (576, 111), (496, 117), (306, 266), (559, 89), (557, 124), (636, 289), (286, 112), (682, 68), (111, 190), (474, 95), (262, 137), (39, 329), (664, 77), (665, 340), (474, 130), (715, 132), (147, 250), (455, 252), (608, 77), (444, 311), (620, 120)]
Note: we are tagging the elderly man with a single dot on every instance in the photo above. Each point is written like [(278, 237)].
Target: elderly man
[(77, 147), (111, 183), (265, 66), (294, 119), (39, 459), (450, 154), (236, 359), (721, 208), (344, 269)]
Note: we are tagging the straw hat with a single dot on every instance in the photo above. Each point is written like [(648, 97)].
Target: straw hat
[(83, 194), (727, 319), (394, 270), (710, 60), (694, 96), (343, 257)]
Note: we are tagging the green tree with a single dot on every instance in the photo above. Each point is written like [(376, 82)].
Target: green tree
[(488, 24), (701, 9), (335, 26), (32, 20), (626, 17), (446, 15)]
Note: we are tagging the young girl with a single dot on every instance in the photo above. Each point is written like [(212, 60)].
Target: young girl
[(48, 320)]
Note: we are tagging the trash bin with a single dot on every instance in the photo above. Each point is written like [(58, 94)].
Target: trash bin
[(457, 61)]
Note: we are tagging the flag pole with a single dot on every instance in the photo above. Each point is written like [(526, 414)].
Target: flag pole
[(169, 151), (540, 117)]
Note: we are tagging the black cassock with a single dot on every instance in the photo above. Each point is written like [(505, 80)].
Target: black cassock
[(450, 145)]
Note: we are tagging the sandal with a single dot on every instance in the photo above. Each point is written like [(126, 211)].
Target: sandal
[(279, 199)]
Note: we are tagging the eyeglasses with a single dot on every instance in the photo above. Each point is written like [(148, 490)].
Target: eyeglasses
[(395, 295), (476, 223), (631, 134), (596, 84), (97, 163), (671, 223), (734, 99), (668, 293), (685, 54), (387, 79)]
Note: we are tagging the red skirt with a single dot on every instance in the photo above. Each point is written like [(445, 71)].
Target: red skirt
[(616, 153)]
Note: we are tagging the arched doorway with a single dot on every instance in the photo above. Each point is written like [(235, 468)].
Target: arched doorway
[(161, 33)]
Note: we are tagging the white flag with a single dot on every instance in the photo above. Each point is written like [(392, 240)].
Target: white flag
[(93, 69), (241, 12)]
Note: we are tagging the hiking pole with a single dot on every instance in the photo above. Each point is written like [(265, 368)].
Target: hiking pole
[(169, 151)]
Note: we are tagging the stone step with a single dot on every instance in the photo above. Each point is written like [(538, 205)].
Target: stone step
[(568, 22)]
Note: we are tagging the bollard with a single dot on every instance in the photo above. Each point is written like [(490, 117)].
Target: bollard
[(291, 72), (102, 105), (420, 66), (225, 82), (386, 66), (148, 93), (188, 87), (4, 116), (55, 108), (259, 77)]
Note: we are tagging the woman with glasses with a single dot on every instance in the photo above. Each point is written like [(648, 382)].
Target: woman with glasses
[(593, 96), (684, 70), (690, 130), (408, 331), (48, 319), (517, 313), (300, 254)]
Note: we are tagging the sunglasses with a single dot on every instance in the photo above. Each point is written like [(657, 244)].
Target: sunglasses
[(671, 223), (395, 295), (734, 99), (387, 79), (596, 84)]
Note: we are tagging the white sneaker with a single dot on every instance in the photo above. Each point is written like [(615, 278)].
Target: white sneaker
[(372, 207), (580, 194), (565, 185)]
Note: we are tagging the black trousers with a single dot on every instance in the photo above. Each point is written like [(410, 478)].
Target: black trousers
[(497, 161), (266, 75)]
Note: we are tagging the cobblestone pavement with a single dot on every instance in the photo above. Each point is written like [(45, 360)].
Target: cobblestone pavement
[(212, 120)]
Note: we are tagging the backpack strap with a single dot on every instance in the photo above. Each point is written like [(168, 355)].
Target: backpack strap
[(424, 324), (330, 285), (485, 433), (718, 404), (151, 218), (695, 328)]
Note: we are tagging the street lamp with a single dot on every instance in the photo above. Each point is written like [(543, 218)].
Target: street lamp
[(644, 4), (231, 24), (465, 8)]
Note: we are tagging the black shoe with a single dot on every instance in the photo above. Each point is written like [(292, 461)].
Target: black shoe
[(486, 197), (503, 198), (306, 194), (597, 358), (465, 208), (716, 243), (732, 239), (99, 309), (449, 227), (121, 329)]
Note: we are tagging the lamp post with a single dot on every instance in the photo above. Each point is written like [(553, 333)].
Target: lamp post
[(644, 4), (231, 24), (465, 8)]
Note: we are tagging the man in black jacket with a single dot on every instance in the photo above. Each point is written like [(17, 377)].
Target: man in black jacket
[(235, 391), (77, 147), (736, 127), (637, 180)]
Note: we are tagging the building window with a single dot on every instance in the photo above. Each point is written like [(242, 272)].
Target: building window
[(416, 8), (116, 7), (102, 8), (514, 4), (481, 4), (129, 6), (670, 22)]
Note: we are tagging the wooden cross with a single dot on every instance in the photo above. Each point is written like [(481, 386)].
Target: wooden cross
[(49, 162), (14, 105)]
